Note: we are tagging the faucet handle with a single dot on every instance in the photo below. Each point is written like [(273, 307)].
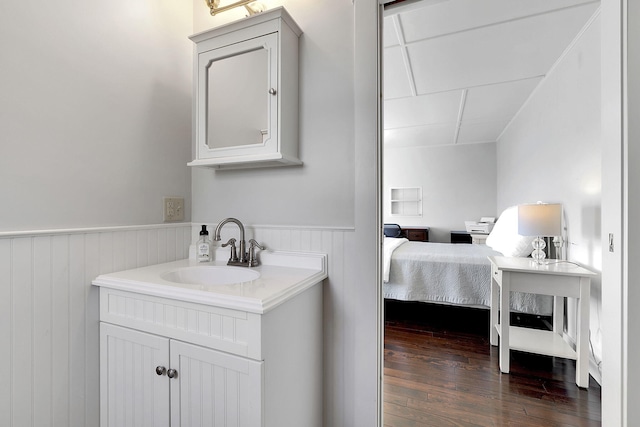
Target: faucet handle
[(234, 253), (254, 244), (231, 242), (253, 261)]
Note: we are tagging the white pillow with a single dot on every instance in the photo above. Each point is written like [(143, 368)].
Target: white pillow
[(504, 237)]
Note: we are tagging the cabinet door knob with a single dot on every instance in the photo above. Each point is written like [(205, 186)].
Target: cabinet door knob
[(172, 373), (161, 370), (272, 91)]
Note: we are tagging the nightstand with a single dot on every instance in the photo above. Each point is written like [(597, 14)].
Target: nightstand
[(558, 279), (460, 237), (416, 234)]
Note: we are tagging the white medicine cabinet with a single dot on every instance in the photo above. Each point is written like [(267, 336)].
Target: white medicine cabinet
[(246, 93)]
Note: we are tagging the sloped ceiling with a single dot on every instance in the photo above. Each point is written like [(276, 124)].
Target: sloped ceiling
[(457, 71)]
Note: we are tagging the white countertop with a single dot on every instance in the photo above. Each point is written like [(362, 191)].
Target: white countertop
[(282, 276)]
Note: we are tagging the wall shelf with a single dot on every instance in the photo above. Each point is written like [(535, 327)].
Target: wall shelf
[(406, 201)]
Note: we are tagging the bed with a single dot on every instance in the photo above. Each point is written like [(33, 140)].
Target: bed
[(458, 274)]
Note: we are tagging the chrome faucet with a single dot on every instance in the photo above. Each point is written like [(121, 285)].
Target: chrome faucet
[(245, 259)]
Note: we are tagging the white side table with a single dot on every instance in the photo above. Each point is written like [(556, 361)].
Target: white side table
[(559, 280)]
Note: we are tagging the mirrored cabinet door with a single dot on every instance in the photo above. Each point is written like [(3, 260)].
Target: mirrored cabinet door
[(246, 91), (240, 92), (237, 100)]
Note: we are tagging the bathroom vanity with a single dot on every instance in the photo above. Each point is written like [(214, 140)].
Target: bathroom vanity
[(188, 344), (246, 92)]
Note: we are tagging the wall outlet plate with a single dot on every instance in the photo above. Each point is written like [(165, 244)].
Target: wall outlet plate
[(173, 209)]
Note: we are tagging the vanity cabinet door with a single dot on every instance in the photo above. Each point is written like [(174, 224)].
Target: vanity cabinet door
[(214, 388), (148, 380), (132, 394)]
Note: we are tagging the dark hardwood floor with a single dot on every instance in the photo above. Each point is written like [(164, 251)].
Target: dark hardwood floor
[(440, 370)]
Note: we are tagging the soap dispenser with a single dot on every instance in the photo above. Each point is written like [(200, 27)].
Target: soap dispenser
[(204, 246)]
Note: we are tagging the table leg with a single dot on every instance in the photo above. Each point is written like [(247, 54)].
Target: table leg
[(558, 315), (582, 339), (504, 321), (493, 313)]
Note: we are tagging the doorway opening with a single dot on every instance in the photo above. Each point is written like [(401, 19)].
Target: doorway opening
[(459, 78)]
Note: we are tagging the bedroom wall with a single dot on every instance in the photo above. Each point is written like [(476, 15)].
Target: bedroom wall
[(552, 152), (328, 204), (458, 184)]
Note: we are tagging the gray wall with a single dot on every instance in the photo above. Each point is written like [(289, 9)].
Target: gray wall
[(458, 184), (95, 112), (321, 191)]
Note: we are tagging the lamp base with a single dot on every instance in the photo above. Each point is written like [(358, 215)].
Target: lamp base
[(538, 253)]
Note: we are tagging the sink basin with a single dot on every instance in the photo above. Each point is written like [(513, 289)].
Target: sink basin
[(211, 275)]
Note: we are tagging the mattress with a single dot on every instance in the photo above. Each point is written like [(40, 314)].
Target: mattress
[(458, 274)]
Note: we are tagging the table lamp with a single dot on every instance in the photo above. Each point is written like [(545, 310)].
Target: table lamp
[(540, 220)]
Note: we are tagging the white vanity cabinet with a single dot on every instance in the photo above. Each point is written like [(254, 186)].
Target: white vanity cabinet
[(246, 93), (150, 380), (184, 356)]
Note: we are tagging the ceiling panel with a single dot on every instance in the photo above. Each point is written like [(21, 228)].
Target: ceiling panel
[(389, 33), (474, 133), (460, 15), (506, 52), (420, 135), (422, 110), (502, 100), (396, 82), (495, 52)]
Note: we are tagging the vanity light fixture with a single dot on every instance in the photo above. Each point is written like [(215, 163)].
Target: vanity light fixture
[(540, 220), (215, 8)]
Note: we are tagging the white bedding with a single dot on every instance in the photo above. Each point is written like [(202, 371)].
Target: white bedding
[(447, 273), (390, 245)]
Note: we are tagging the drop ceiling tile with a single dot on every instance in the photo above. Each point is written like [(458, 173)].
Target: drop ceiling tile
[(511, 51), (460, 15), (396, 81), (499, 101), (420, 136), (422, 110), (389, 33), (478, 132)]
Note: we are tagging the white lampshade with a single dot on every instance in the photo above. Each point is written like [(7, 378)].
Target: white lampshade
[(540, 220)]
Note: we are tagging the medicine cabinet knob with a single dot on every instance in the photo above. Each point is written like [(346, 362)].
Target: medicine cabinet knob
[(172, 373), (161, 370), (272, 91)]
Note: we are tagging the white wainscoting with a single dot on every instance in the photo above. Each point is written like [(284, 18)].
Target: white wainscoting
[(49, 338)]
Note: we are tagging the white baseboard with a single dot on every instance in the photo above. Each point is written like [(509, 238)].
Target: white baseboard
[(594, 370)]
